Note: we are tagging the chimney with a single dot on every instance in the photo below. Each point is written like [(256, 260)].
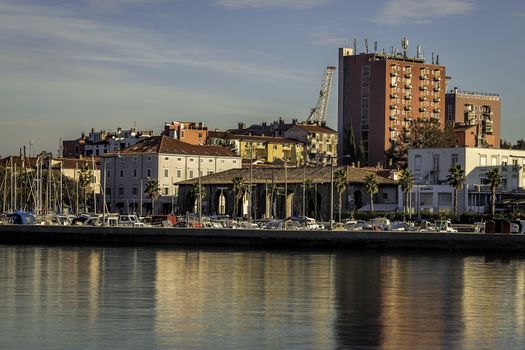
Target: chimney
[(241, 126)]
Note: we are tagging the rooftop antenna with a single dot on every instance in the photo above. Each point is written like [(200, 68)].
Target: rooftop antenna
[(418, 52), (355, 46), (404, 45), (366, 45), (437, 60), (433, 58), (375, 46), (392, 50)]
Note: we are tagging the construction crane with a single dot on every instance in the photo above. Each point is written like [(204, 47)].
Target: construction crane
[(318, 113)]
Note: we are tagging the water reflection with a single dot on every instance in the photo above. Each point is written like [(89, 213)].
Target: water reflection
[(73, 297)]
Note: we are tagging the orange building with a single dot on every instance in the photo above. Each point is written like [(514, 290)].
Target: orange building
[(476, 118), (189, 132), (380, 94)]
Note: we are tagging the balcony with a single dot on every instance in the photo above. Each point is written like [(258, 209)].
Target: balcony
[(423, 88), (437, 99), (408, 97), (422, 77), (437, 110), (393, 74), (408, 119), (422, 98), (437, 78), (393, 96), (408, 108), (393, 84), (392, 107), (437, 89), (408, 75), (422, 109), (392, 128), (393, 117), (489, 126)]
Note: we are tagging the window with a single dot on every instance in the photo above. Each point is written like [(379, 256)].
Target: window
[(435, 162), (191, 173), (179, 159), (121, 173), (166, 173), (121, 190), (210, 160), (191, 159), (445, 199), (504, 161), (134, 190), (134, 172), (222, 160), (417, 162), (234, 162), (210, 172), (108, 173), (483, 160), (165, 190), (148, 172), (149, 159), (166, 158), (385, 195), (454, 159), (494, 160), (179, 173)]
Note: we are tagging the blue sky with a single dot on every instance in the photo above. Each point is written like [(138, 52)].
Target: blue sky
[(68, 66)]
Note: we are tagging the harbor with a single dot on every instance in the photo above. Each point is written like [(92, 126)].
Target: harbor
[(289, 239)]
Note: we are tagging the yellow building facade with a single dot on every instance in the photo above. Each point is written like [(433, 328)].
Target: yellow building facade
[(270, 149)]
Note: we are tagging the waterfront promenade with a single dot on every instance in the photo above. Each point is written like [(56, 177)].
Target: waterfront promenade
[(22, 234)]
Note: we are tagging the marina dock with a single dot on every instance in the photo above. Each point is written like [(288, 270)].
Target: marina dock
[(64, 235)]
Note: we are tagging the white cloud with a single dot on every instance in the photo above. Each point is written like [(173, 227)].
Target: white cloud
[(74, 38), (325, 36), (270, 4), (397, 12)]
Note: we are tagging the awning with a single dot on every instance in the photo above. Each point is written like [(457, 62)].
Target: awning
[(380, 207)]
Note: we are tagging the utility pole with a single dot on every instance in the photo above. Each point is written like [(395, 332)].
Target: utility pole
[(16, 185), (304, 182), (331, 192), (199, 207), (250, 200), (76, 192), (104, 195), (61, 197), (285, 194), (94, 177)]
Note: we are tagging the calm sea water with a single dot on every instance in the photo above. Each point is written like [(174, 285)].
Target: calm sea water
[(127, 298)]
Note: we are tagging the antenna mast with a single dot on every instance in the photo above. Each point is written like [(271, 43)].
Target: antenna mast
[(318, 113)]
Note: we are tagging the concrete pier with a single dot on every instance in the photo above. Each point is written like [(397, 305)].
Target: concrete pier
[(79, 235)]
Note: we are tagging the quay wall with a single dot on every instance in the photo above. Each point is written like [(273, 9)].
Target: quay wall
[(79, 235)]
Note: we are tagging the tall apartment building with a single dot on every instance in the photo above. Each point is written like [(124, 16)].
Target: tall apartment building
[(380, 94), (476, 117)]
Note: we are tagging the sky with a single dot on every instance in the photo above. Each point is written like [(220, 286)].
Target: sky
[(69, 66)]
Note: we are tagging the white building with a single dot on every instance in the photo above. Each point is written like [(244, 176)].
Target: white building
[(102, 142), (430, 167), (163, 159)]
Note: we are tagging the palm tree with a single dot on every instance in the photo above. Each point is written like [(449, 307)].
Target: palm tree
[(494, 180), (406, 181), (152, 191), (456, 179), (372, 187), (341, 184), (85, 177), (239, 187)]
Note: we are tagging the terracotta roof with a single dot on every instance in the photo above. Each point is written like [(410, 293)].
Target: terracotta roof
[(316, 128), (27, 161), (168, 145), (264, 175), (270, 139), (73, 163)]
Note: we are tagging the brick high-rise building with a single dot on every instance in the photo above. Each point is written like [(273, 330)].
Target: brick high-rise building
[(476, 117), (380, 94)]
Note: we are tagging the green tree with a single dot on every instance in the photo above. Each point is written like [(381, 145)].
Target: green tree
[(152, 191), (85, 178), (406, 181), (493, 180), (456, 179), (341, 184), (239, 188), (352, 146), (371, 187), (361, 152)]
